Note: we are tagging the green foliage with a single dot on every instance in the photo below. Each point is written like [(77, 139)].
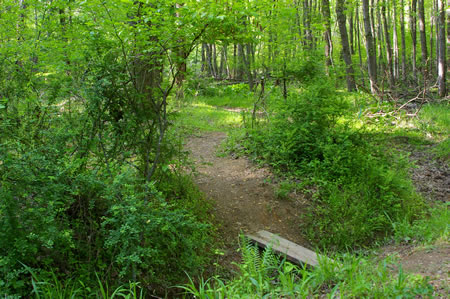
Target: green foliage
[(434, 118), (427, 230), (55, 288), (57, 215), (265, 275), (434, 121), (358, 188), (148, 238), (306, 69)]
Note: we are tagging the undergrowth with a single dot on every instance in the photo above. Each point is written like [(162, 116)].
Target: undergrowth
[(266, 275), (427, 230), (357, 186)]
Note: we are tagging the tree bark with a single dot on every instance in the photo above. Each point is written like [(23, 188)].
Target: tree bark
[(327, 34), (204, 67), (307, 24), (358, 42), (442, 68), (351, 30), (248, 70), (380, 39), (423, 37), (388, 44), (214, 60), (413, 25), (340, 13), (395, 41), (370, 48), (402, 33)]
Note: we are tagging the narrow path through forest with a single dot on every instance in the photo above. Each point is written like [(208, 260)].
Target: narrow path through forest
[(244, 200)]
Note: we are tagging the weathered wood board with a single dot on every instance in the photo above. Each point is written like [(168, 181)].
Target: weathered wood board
[(294, 252)]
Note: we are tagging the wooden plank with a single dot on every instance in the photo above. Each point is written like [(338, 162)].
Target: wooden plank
[(294, 252)]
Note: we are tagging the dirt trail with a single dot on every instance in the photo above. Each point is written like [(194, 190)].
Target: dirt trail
[(243, 200)]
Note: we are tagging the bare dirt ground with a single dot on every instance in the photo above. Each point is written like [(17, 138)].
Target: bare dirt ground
[(243, 200)]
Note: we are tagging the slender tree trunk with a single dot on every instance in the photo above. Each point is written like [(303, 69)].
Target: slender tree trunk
[(370, 48), (442, 60), (413, 25), (247, 58), (241, 62), (358, 42), (380, 40), (388, 44), (307, 24), (436, 18), (395, 41), (235, 62), (432, 26), (225, 56), (372, 22), (402, 33), (351, 30), (340, 13), (222, 63), (423, 38), (327, 34), (209, 60), (214, 60), (204, 67)]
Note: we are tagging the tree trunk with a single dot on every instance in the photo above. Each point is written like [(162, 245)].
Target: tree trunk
[(240, 63), (340, 13), (327, 34), (388, 44), (380, 39), (358, 42), (432, 25), (350, 28), (395, 41), (413, 25), (235, 62), (423, 38), (214, 60), (248, 70), (402, 33), (204, 67), (442, 68), (307, 24), (209, 60), (370, 48)]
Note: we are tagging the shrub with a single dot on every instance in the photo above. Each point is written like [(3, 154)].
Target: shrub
[(359, 188), (74, 216), (148, 238)]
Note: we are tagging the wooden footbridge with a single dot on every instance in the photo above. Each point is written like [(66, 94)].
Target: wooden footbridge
[(294, 253)]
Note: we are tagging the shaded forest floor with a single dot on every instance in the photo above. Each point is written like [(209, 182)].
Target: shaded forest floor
[(244, 197)]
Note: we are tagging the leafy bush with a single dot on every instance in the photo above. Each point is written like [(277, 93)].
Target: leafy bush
[(148, 238), (65, 209), (358, 188)]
